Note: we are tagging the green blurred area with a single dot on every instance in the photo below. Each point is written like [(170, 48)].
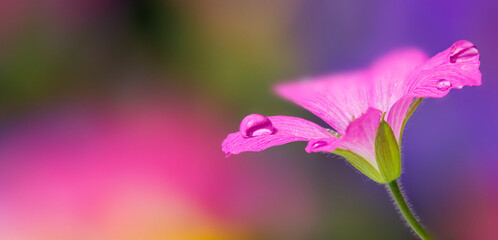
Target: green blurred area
[(218, 49)]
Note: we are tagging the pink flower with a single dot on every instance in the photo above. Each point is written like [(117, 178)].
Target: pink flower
[(355, 103)]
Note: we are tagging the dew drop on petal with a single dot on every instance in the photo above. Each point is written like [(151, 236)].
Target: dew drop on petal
[(334, 133), (443, 85), (319, 144), (463, 51), (255, 125)]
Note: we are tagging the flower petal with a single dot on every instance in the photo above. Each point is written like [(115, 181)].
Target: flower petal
[(455, 67), (360, 136), (286, 129), (400, 112), (337, 99), (389, 85), (323, 144), (389, 75)]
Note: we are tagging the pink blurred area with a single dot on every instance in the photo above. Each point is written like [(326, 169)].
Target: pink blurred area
[(147, 169), (471, 203), (15, 15), (11, 12), (112, 114)]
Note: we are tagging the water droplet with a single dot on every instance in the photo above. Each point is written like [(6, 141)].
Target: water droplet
[(256, 125), (319, 143), (443, 85), (334, 133), (463, 51)]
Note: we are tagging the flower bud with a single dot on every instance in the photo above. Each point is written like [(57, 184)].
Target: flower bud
[(387, 153)]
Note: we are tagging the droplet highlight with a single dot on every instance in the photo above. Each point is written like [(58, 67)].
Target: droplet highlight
[(463, 51), (256, 125), (334, 133), (443, 85), (319, 144)]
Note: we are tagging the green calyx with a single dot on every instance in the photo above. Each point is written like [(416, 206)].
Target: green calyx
[(387, 152), (361, 164), (387, 155)]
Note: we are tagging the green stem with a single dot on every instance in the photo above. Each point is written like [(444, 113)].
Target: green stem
[(406, 211)]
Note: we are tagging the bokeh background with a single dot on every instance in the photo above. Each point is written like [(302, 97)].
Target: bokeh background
[(112, 114)]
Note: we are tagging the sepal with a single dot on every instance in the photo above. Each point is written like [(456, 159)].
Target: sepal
[(361, 164), (387, 153)]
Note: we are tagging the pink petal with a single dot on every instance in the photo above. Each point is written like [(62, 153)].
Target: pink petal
[(338, 99), (360, 135), (323, 144), (455, 67), (389, 85), (397, 114), (389, 75), (286, 129)]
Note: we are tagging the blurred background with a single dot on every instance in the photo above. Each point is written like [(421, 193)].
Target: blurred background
[(112, 114)]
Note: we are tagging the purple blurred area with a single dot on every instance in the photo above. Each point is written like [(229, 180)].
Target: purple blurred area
[(112, 114)]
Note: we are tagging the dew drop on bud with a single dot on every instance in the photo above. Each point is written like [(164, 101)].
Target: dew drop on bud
[(443, 85), (463, 51), (255, 125)]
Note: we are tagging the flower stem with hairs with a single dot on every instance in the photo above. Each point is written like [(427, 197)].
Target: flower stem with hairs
[(406, 211)]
